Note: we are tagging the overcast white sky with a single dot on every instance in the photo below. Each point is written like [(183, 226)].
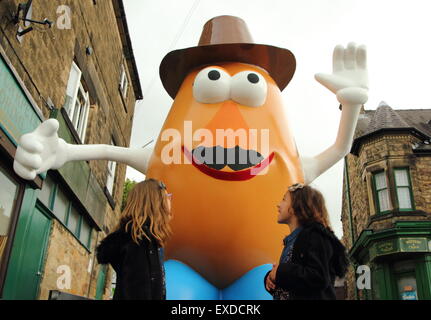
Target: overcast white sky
[(396, 32)]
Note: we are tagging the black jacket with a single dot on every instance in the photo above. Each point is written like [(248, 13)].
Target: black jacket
[(140, 274), (317, 258)]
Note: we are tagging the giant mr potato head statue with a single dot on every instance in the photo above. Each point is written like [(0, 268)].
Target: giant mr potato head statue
[(225, 151)]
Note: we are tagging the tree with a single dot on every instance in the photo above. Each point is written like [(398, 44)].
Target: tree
[(128, 185)]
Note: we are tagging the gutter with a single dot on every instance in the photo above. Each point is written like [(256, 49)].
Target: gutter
[(130, 56), (349, 208)]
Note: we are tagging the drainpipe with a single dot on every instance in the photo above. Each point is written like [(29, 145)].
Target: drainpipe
[(93, 265), (349, 209)]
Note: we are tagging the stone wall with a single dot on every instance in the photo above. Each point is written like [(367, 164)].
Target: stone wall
[(43, 60)]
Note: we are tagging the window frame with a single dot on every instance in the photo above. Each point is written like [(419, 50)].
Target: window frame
[(376, 192), (124, 81), (406, 169), (79, 122), (112, 173), (74, 90)]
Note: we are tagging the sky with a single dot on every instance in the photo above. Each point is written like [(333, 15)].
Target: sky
[(396, 33)]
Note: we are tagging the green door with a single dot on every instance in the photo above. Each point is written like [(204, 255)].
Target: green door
[(101, 282), (28, 255)]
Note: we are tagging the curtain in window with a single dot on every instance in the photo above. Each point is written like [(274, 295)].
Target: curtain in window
[(380, 181), (401, 178), (384, 200), (404, 198), (403, 189), (382, 192)]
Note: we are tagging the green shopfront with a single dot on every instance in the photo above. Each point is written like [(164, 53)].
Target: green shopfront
[(70, 195), (399, 259), (18, 114)]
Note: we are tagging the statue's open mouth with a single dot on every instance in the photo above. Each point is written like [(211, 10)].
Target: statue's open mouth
[(246, 164)]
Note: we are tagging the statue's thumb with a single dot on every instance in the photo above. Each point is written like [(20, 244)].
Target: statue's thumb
[(329, 81), (48, 127)]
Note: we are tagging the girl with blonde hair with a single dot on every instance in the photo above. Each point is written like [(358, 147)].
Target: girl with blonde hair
[(135, 248)]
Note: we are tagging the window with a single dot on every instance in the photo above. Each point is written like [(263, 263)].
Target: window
[(73, 221), (404, 190), (85, 234), (61, 206), (124, 82), (66, 210), (77, 101), (44, 195), (113, 284), (112, 166), (8, 196), (381, 192), (405, 277)]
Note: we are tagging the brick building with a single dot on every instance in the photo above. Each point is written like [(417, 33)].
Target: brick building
[(82, 72), (387, 204)]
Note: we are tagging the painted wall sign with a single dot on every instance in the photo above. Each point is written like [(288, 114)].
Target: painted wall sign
[(400, 245), (17, 115), (386, 247), (413, 244)]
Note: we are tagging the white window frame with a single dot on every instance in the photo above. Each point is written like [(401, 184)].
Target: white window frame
[(377, 192), (124, 81), (408, 186), (78, 114), (110, 179), (72, 88)]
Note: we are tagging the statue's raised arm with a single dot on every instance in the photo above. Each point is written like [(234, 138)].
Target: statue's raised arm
[(349, 81)]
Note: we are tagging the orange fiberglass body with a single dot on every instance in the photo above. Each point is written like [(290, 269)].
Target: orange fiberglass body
[(225, 221)]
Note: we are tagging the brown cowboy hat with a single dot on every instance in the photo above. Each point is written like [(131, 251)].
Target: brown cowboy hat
[(224, 39)]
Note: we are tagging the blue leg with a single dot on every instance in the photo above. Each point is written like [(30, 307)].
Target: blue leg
[(183, 283), (249, 287)]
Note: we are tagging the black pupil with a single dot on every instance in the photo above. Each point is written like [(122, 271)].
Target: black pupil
[(214, 75), (253, 78)]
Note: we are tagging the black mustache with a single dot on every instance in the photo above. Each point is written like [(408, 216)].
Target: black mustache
[(235, 158)]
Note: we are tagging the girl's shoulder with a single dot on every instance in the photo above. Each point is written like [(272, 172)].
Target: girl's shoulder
[(315, 232)]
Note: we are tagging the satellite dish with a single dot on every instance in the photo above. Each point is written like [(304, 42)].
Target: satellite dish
[(28, 11)]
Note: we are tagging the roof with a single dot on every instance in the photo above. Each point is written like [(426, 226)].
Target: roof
[(384, 118), (120, 14)]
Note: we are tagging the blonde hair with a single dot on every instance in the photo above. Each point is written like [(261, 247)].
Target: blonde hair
[(147, 203)]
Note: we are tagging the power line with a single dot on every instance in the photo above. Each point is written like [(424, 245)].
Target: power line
[(175, 41)]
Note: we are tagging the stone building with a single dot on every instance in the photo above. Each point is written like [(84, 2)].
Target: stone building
[(387, 205), (82, 72)]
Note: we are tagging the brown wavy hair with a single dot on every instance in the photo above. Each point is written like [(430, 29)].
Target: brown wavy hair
[(147, 205), (308, 205)]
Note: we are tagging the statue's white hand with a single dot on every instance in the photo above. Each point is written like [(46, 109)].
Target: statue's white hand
[(40, 150), (349, 80)]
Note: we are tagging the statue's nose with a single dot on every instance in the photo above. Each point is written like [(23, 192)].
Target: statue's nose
[(230, 120)]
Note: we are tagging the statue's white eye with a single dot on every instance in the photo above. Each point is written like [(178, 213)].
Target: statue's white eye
[(249, 88), (211, 85)]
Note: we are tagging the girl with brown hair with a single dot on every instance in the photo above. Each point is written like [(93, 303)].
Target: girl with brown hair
[(312, 256), (134, 249)]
